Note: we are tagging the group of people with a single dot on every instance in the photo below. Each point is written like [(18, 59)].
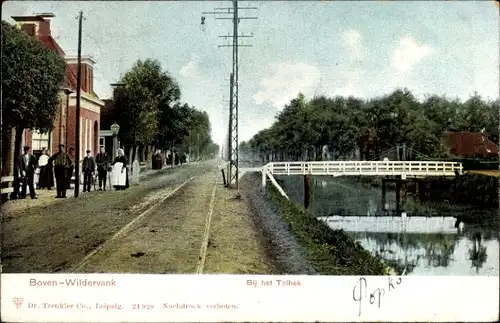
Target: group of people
[(61, 166), (102, 163), (159, 160), (46, 165)]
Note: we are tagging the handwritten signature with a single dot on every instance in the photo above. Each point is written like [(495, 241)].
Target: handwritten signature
[(360, 291)]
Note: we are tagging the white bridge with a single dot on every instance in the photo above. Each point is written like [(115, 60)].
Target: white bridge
[(405, 169)]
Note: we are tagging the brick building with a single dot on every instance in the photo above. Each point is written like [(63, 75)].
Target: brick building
[(64, 127)]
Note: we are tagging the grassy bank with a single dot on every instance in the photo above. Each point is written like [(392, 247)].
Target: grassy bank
[(331, 252)]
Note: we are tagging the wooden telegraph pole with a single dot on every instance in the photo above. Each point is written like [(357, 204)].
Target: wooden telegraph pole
[(78, 85)]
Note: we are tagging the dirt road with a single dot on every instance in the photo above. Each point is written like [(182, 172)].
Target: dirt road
[(54, 237), (195, 226)]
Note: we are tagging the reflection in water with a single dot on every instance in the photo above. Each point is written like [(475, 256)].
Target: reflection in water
[(423, 245), (477, 254), (344, 196)]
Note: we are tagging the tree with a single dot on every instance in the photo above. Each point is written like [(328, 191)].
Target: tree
[(31, 79), (146, 94)]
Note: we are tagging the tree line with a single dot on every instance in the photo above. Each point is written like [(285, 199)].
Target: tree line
[(303, 128), (149, 102), (151, 115)]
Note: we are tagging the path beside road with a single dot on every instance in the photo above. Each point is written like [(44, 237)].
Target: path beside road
[(46, 197)]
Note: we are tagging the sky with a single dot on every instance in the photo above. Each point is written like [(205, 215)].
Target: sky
[(365, 49)]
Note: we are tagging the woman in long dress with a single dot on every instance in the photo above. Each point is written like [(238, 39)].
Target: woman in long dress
[(159, 160), (46, 178), (122, 159)]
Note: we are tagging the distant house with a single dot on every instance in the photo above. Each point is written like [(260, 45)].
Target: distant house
[(108, 117), (64, 126), (470, 145)]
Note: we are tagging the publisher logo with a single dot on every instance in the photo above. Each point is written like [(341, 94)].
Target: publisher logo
[(18, 301)]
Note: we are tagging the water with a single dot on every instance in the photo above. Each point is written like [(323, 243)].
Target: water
[(423, 245)]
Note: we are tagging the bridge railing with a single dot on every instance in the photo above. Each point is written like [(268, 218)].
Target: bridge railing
[(374, 168)]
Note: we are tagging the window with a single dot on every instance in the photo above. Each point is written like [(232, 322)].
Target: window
[(40, 141), (102, 142)]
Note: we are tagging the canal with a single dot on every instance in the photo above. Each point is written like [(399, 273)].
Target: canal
[(424, 241)]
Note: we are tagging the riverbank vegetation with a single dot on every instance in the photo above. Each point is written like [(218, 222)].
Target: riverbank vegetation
[(331, 252)]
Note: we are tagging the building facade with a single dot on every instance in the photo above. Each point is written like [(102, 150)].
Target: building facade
[(64, 126)]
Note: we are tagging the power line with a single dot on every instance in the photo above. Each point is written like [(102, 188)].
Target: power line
[(233, 175)]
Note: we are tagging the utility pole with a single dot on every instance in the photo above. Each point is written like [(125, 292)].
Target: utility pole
[(233, 109), (1, 102), (78, 85)]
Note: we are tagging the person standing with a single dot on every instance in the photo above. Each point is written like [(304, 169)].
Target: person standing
[(43, 161), (102, 160), (70, 169), (27, 165), (157, 160), (88, 168), (46, 178), (49, 172), (61, 162), (122, 159)]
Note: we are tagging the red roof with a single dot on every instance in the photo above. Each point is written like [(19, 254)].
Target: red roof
[(470, 144), (70, 77), (70, 74), (50, 43)]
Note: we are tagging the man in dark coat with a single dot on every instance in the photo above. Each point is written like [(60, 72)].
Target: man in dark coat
[(27, 164), (61, 162), (102, 160), (88, 168)]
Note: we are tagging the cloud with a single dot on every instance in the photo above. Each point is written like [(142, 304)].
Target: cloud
[(350, 77), (190, 69), (354, 43), (250, 126), (408, 53), (346, 91), (286, 82)]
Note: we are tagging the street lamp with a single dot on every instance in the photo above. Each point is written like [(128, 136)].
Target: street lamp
[(114, 130)]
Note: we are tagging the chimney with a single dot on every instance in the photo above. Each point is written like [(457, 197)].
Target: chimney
[(87, 68), (35, 25), (30, 29)]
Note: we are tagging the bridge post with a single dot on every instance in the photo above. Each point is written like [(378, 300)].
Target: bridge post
[(384, 186), (404, 188), (307, 191), (398, 195), (264, 178)]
